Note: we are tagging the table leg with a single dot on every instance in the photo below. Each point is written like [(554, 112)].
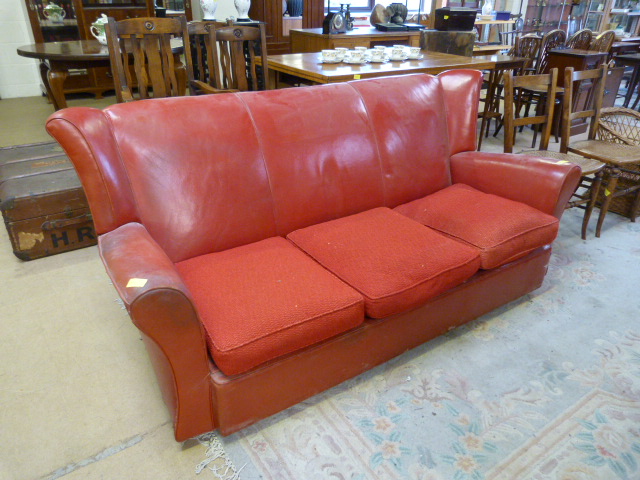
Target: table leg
[(54, 83), (632, 85), (272, 79)]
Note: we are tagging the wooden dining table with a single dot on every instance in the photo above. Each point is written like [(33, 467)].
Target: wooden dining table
[(57, 58), (308, 67)]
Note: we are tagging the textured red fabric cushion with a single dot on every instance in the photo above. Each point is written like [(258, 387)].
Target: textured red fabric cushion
[(394, 262), (266, 299), (503, 230)]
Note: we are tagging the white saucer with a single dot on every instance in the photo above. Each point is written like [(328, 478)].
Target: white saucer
[(401, 59), (330, 61), (384, 60), (419, 57), (355, 62)]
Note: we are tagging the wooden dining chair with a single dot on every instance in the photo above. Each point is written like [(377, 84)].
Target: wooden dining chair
[(550, 40), (619, 156), (603, 42), (203, 81), (580, 40), (234, 60), (144, 55), (515, 86), (525, 47)]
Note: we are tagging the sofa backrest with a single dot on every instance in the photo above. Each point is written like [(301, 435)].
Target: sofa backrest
[(208, 173)]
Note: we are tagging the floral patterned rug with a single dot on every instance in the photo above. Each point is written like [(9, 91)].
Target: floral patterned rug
[(547, 387)]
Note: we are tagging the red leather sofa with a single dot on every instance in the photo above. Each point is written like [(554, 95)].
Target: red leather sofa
[(270, 245)]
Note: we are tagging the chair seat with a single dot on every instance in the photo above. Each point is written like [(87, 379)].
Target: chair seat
[(589, 166), (264, 300), (502, 230), (607, 152), (394, 262)]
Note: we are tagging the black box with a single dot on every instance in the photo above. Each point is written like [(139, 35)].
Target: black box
[(455, 19)]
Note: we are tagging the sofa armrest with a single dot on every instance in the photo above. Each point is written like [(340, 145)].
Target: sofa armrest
[(163, 311), (538, 182)]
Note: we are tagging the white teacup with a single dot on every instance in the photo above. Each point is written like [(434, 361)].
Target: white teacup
[(377, 55), (414, 52), (342, 52), (397, 52), (356, 56), (381, 48), (329, 56), (360, 49)]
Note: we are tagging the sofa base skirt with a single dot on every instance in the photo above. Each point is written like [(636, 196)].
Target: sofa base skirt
[(243, 400)]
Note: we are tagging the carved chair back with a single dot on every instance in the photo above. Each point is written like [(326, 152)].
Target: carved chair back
[(550, 40), (144, 52), (581, 39)]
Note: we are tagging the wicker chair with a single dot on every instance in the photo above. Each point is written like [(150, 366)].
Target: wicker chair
[(612, 139), (622, 126), (581, 39), (592, 170)]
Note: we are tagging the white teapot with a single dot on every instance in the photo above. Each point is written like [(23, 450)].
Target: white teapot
[(54, 13), (99, 30)]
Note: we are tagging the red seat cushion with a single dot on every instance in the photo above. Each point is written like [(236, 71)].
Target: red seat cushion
[(264, 300), (394, 262), (501, 229)]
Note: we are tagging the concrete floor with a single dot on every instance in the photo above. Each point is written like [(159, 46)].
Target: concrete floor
[(79, 398)]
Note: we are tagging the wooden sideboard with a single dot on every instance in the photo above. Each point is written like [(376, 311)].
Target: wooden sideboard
[(585, 60), (313, 40)]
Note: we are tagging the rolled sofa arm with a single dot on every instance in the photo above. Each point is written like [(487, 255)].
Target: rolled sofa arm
[(538, 182), (160, 306)]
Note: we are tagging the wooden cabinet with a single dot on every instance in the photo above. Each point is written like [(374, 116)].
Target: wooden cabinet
[(313, 40), (583, 60), (600, 15), (543, 16), (271, 12), (79, 15), (45, 30)]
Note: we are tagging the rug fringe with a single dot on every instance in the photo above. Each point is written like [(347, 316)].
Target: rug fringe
[(217, 460)]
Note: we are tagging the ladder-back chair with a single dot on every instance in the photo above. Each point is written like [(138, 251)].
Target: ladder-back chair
[(591, 169), (144, 53), (234, 59), (203, 81)]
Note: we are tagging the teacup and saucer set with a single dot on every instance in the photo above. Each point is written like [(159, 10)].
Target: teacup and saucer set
[(378, 54), (357, 56), (331, 56)]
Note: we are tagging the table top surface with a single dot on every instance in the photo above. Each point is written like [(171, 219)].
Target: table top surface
[(69, 50), (629, 57), (575, 52), (358, 31), (76, 50), (309, 65)]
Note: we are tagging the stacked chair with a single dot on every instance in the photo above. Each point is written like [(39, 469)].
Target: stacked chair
[(226, 57), (526, 47), (609, 158), (592, 170)]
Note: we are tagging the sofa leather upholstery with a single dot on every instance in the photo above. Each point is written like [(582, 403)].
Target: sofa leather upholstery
[(190, 192)]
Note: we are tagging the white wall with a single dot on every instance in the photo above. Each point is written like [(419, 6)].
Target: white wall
[(19, 76)]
